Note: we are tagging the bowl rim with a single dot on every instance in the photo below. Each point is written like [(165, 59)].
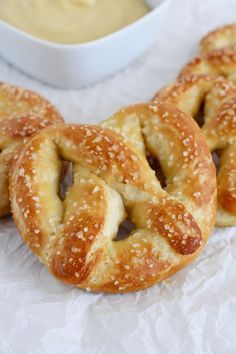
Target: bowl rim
[(89, 44)]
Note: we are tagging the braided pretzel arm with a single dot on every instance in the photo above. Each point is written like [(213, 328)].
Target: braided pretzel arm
[(76, 238), (219, 129), (22, 113), (218, 55)]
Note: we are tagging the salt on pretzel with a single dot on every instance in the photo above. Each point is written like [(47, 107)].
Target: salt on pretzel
[(219, 98), (220, 38), (76, 237), (22, 113), (218, 55)]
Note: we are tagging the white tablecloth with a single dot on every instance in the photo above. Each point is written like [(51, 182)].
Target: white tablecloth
[(192, 313)]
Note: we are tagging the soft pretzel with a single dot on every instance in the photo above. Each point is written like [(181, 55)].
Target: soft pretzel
[(219, 129), (22, 113), (76, 237), (219, 38), (218, 55)]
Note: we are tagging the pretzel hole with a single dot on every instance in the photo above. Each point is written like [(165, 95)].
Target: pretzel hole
[(216, 160), (155, 165), (66, 178), (124, 230), (199, 117)]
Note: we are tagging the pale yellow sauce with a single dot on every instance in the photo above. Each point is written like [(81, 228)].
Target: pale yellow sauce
[(71, 21)]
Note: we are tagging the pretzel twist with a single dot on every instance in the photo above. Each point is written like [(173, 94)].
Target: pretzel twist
[(219, 129), (217, 55), (76, 237), (22, 113)]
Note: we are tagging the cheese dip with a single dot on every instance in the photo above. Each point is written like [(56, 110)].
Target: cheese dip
[(71, 21)]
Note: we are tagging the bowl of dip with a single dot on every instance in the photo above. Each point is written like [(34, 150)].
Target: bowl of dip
[(75, 43)]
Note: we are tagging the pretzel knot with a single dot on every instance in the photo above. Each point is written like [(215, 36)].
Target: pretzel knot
[(22, 113), (217, 55), (112, 181), (219, 98)]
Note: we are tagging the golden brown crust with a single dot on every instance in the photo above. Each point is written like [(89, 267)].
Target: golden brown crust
[(227, 181), (22, 113), (75, 238), (218, 38), (218, 55), (219, 129)]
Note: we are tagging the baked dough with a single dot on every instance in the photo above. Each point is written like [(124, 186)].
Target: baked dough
[(22, 113), (219, 129), (217, 55), (76, 237)]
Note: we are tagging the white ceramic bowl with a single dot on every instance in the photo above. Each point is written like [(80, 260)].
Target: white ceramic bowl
[(74, 66)]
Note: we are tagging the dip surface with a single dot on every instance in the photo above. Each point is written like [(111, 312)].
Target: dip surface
[(71, 21)]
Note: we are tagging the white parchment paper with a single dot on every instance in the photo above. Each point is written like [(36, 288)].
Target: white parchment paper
[(194, 311)]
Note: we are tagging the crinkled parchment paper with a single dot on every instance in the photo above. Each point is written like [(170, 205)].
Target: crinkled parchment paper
[(194, 311)]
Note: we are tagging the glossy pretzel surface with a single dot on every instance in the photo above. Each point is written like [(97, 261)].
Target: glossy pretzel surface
[(217, 55), (22, 113), (112, 181), (218, 95)]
